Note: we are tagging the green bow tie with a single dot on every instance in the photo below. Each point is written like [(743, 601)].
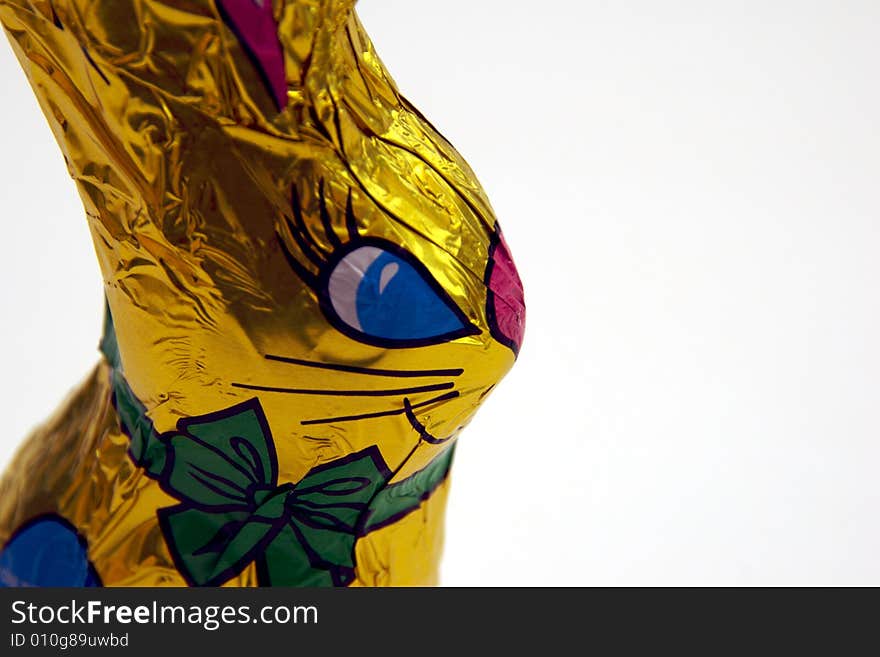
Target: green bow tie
[(223, 469)]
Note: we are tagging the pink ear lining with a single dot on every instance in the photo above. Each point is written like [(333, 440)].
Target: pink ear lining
[(254, 25)]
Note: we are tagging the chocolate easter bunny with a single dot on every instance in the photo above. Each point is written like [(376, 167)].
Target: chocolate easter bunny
[(308, 297)]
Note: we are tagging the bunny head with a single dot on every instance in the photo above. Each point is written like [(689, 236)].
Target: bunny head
[(275, 224)]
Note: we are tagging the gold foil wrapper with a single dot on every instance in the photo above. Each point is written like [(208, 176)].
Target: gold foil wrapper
[(308, 298)]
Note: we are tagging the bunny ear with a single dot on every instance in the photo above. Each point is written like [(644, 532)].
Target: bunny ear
[(254, 24)]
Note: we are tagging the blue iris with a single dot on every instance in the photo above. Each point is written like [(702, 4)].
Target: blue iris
[(395, 302), (46, 552)]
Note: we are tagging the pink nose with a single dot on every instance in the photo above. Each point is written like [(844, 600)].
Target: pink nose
[(505, 305)]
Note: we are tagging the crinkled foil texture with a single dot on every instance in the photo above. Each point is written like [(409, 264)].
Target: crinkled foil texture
[(230, 155)]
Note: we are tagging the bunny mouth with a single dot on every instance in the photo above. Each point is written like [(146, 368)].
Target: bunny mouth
[(419, 428)]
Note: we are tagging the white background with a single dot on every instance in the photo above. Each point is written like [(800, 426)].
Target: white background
[(690, 190)]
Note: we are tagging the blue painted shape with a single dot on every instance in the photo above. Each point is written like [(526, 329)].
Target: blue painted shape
[(402, 306), (47, 551)]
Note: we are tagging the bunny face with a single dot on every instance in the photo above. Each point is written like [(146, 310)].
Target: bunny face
[(276, 227), (352, 329)]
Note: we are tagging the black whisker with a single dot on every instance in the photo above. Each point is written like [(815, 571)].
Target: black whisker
[(371, 371), (350, 219), (365, 416), (325, 218), (347, 393)]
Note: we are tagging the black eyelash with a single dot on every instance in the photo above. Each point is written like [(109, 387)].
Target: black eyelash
[(94, 65), (55, 19), (307, 276), (308, 243), (325, 217), (326, 263), (301, 234), (350, 219)]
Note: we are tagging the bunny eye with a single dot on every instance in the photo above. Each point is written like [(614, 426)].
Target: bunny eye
[(382, 295)]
